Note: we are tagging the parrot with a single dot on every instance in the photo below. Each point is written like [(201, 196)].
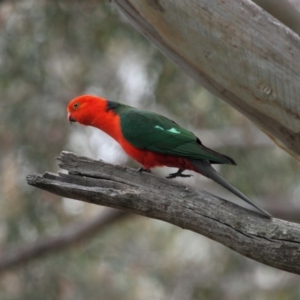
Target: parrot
[(152, 140)]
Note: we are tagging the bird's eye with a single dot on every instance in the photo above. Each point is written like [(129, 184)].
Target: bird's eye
[(76, 105)]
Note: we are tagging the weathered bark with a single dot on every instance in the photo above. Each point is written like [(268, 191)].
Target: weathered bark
[(234, 49), (271, 241)]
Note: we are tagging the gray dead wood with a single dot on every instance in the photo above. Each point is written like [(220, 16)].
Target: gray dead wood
[(237, 51), (271, 241)]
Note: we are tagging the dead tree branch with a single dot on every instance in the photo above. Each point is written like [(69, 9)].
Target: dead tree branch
[(271, 241)]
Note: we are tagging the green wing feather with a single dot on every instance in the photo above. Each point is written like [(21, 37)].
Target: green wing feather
[(154, 132)]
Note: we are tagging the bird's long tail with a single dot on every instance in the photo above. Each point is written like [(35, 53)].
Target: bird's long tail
[(205, 168)]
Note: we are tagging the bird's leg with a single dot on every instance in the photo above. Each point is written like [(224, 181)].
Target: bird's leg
[(178, 174), (140, 170)]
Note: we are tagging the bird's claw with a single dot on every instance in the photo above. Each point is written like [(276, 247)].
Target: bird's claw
[(140, 170), (178, 174)]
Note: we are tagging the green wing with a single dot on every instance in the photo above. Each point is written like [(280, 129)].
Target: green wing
[(151, 131)]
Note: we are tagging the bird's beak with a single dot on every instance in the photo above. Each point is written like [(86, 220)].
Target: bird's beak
[(70, 118)]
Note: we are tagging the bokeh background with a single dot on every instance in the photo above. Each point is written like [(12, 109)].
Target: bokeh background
[(52, 51)]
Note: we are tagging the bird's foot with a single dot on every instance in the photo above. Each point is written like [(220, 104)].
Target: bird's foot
[(178, 174), (140, 170)]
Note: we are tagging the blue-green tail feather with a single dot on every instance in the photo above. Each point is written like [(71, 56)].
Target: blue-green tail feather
[(208, 171)]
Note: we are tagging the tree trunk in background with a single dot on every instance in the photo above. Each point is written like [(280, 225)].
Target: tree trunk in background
[(234, 49), (286, 11)]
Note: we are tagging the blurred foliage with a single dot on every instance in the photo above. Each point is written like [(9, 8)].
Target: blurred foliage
[(51, 51)]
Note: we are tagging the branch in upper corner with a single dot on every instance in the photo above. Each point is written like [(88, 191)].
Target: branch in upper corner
[(261, 83), (271, 241)]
